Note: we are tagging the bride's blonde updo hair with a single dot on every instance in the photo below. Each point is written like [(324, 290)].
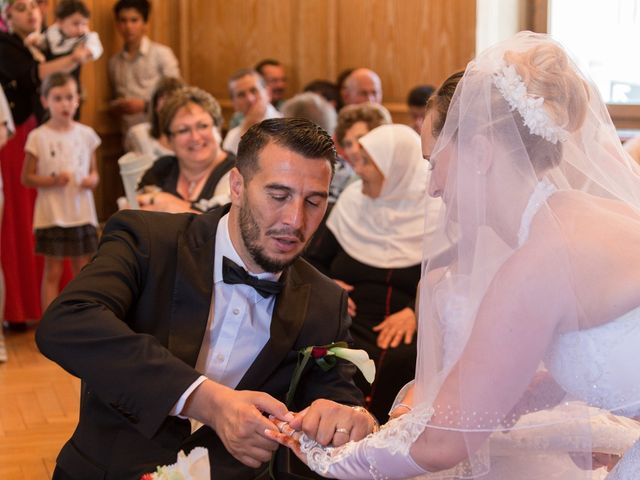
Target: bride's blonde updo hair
[(547, 72)]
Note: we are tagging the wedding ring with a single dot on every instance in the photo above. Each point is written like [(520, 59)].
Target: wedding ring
[(342, 430)]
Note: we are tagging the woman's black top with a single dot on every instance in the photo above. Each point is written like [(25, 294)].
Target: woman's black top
[(165, 171), (19, 78)]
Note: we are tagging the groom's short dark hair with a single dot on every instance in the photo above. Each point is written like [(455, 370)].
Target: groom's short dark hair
[(296, 134)]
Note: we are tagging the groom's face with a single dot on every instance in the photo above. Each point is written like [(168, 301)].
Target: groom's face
[(280, 207)]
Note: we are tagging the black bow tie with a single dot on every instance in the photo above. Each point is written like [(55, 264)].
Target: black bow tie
[(233, 273)]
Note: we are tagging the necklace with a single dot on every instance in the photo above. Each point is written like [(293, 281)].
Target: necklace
[(190, 185)]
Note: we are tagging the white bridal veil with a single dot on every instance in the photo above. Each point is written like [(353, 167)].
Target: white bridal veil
[(530, 146), (522, 353)]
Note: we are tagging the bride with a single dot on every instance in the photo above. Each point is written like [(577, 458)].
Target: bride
[(539, 307)]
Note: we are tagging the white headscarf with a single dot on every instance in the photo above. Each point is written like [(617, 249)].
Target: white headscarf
[(388, 231)]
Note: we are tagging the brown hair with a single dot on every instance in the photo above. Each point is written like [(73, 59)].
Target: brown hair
[(439, 102), (66, 8), (183, 97), (372, 114), (57, 79), (298, 135)]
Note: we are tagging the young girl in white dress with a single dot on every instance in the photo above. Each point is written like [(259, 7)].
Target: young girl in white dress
[(61, 163)]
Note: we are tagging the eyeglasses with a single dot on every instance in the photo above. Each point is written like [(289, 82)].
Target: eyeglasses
[(184, 132)]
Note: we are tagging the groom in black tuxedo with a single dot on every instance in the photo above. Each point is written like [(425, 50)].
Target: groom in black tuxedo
[(185, 318)]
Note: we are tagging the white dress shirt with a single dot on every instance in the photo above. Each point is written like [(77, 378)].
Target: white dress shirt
[(238, 326), (137, 75)]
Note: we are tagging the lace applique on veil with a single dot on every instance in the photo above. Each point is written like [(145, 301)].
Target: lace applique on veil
[(396, 436), (544, 189)]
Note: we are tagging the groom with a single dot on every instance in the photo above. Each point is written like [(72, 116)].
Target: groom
[(184, 317)]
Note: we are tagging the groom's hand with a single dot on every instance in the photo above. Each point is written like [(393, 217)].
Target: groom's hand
[(237, 417), (330, 423)]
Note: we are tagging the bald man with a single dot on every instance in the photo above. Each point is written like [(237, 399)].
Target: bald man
[(363, 85)]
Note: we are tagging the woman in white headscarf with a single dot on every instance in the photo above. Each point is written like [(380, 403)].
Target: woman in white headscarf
[(539, 308), (373, 249)]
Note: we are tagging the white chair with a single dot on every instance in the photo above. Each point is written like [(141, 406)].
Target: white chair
[(132, 167)]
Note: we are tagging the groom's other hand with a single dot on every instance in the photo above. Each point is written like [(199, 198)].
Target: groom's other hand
[(237, 417), (331, 423)]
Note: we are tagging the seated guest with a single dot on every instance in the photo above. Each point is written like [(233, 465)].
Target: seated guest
[(361, 86), (163, 326), (250, 97), (354, 121), (417, 101), (147, 138), (136, 69), (372, 247), (327, 89), (340, 84), (195, 178), (275, 78), (313, 107)]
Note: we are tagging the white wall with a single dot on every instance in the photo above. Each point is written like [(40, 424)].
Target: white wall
[(497, 20)]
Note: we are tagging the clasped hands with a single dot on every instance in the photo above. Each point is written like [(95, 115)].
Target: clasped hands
[(63, 178), (248, 422), (396, 328)]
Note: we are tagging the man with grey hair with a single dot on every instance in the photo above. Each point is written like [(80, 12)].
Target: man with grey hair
[(362, 85), (313, 107), (250, 98)]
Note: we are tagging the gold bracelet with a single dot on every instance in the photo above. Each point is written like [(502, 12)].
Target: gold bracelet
[(376, 425)]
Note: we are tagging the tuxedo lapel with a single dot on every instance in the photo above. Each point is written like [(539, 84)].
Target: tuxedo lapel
[(193, 288), (288, 317)]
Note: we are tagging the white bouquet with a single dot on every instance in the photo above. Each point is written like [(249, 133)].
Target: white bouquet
[(194, 466)]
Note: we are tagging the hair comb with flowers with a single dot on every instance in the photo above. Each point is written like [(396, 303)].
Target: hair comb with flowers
[(514, 91)]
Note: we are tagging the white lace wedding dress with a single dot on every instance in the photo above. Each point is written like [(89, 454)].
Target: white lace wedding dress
[(602, 376)]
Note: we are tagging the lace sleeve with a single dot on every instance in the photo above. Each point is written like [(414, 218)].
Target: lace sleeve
[(382, 455)]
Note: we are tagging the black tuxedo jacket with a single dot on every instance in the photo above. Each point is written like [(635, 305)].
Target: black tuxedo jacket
[(131, 324)]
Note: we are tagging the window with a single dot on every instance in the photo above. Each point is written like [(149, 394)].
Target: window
[(604, 38), (603, 35)]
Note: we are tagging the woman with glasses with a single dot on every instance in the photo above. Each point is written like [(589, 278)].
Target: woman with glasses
[(194, 179)]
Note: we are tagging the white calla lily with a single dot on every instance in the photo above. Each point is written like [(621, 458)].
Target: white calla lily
[(359, 358)]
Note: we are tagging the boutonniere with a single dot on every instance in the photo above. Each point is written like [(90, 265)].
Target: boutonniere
[(326, 357)]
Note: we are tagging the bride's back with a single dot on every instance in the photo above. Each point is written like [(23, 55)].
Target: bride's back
[(601, 238)]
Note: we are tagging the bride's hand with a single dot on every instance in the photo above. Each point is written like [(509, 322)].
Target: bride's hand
[(404, 405)]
